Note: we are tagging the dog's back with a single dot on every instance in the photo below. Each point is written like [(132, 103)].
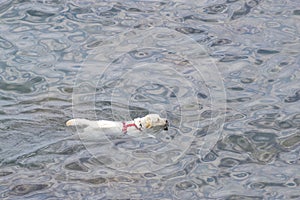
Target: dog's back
[(101, 124)]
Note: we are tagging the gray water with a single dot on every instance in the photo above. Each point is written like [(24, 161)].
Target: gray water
[(225, 73)]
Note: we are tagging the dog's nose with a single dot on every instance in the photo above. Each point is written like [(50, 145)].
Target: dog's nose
[(166, 126)]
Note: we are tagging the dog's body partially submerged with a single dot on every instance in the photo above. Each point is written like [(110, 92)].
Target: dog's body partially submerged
[(132, 128)]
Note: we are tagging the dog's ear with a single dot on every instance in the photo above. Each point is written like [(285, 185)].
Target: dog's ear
[(148, 122)]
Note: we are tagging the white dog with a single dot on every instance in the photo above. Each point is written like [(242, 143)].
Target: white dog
[(135, 127)]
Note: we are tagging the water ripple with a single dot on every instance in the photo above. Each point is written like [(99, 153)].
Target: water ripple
[(24, 189)]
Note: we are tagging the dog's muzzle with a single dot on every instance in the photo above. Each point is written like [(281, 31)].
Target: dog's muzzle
[(166, 127)]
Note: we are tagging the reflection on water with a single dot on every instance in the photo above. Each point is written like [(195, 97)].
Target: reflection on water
[(255, 45)]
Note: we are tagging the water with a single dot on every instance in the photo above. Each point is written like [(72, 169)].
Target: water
[(225, 73)]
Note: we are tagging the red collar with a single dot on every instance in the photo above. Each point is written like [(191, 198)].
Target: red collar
[(125, 126)]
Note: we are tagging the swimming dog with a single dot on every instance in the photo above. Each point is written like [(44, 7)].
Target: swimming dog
[(135, 127)]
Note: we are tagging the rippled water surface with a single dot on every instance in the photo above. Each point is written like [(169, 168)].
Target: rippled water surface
[(226, 74)]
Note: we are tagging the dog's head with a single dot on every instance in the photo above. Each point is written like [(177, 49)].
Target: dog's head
[(153, 121)]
